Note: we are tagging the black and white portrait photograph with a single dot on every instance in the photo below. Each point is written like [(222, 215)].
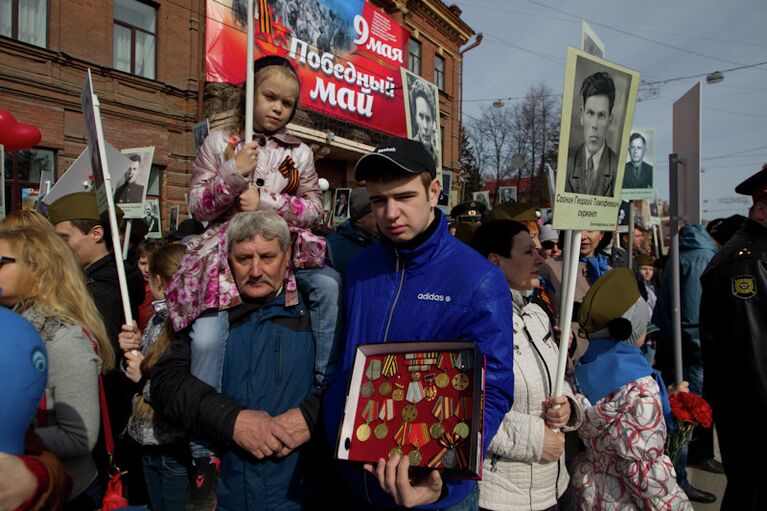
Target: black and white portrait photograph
[(599, 109), (507, 194), (199, 132), (130, 189), (341, 204), (597, 112), (444, 193), (422, 113), (483, 197), (638, 181), (152, 217), (173, 218)]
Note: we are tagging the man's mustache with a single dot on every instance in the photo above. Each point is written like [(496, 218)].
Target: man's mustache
[(250, 281)]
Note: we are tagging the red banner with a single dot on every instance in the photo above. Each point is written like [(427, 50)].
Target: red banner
[(347, 55)]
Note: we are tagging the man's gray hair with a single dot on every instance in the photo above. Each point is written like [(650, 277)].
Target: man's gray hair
[(249, 224)]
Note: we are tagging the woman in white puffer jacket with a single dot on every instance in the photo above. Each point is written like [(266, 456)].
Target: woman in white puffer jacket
[(524, 468)]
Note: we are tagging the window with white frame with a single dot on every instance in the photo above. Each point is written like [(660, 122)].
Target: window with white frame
[(414, 57), (439, 72), (135, 38), (25, 20)]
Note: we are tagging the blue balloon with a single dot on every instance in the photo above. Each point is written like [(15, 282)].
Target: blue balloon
[(23, 374)]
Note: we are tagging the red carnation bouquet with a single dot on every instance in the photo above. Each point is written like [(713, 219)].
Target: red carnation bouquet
[(688, 410)]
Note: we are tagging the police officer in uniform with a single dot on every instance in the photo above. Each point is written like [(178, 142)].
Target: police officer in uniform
[(467, 216), (733, 328)]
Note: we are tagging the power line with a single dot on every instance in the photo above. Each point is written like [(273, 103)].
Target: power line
[(701, 75), (630, 34), (736, 153)]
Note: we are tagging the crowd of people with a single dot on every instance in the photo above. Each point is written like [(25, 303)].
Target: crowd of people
[(228, 389)]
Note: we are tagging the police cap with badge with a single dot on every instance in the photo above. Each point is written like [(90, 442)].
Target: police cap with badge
[(755, 186), (470, 211), (744, 286)]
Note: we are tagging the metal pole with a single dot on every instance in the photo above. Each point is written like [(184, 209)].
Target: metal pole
[(632, 223), (676, 299)]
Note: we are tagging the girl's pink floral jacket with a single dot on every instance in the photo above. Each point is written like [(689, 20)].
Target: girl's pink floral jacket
[(204, 280)]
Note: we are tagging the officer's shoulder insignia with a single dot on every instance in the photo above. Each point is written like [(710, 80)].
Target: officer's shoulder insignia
[(744, 286)]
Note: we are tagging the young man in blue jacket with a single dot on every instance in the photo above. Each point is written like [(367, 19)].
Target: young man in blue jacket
[(418, 283)]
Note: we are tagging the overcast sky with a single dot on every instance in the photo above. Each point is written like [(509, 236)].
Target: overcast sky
[(525, 43)]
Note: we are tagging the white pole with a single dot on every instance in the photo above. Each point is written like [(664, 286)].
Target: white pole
[(126, 239), (114, 227), (249, 76), (566, 306)]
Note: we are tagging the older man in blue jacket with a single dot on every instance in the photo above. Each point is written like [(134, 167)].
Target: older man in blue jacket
[(419, 283), (269, 404)]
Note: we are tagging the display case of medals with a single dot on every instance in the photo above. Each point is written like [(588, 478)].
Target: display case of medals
[(423, 400)]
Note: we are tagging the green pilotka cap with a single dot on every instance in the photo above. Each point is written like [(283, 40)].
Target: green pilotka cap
[(513, 211), (614, 308), (78, 206)]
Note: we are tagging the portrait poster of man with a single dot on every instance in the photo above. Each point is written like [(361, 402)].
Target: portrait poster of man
[(152, 217), (483, 197), (130, 189), (422, 114), (507, 194), (444, 193), (173, 218), (638, 175), (96, 143), (590, 41), (597, 112), (341, 204), (199, 132)]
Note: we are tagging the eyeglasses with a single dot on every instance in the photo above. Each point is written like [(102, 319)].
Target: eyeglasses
[(549, 245), (5, 260)]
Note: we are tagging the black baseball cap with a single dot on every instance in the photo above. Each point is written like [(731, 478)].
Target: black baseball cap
[(396, 154)]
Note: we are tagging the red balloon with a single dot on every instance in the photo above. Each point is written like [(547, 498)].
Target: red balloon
[(17, 136)]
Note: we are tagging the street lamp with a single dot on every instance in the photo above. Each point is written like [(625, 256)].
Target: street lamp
[(714, 77)]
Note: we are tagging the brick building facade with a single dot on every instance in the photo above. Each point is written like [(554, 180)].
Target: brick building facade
[(147, 61)]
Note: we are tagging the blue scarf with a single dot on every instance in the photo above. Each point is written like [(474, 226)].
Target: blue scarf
[(608, 365), (595, 266)]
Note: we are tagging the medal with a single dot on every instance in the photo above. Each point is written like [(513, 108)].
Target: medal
[(463, 408), (460, 382), (436, 430), (363, 432), (442, 380), (387, 410), (381, 431), (398, 394), (374, 369), (389, 366), (384, 389), (415, 376), (409, 413), (414, 457), (461, 429), (448, 459), (414, 392), (395, 452), (367, 389), (430, 393)]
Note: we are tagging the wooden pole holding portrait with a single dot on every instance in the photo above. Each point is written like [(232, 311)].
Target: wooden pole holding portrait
[(103, 182), (597, 113)]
